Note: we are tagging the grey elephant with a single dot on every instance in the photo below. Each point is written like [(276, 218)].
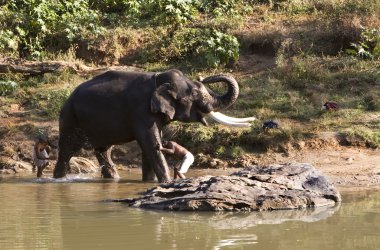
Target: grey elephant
[(118, 107)]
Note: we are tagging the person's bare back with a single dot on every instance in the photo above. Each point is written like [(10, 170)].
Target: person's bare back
[(173, 148), (187, 158)]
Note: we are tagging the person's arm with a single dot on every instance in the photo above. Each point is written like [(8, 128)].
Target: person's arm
[(38, 155), (169, 149)]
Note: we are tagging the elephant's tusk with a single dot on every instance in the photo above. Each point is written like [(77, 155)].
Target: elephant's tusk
[(234, 119), (222, 120)]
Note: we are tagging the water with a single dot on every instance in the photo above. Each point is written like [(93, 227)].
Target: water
[(74, 214)]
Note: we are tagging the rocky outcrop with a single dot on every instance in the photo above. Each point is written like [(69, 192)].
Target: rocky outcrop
[(274, 187)]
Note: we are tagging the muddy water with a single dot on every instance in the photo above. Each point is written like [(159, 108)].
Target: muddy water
[(73, 214)]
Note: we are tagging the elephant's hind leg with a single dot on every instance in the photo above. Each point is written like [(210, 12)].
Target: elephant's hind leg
[(108, 169)]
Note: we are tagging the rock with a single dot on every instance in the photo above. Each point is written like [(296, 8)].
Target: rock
[(350, 159), (11, 166), (274, 187), (82, 165)]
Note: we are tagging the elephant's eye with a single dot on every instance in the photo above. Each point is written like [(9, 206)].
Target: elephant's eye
[(194, 92)]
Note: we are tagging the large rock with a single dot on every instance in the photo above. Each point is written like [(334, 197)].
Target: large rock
[(274, 187)]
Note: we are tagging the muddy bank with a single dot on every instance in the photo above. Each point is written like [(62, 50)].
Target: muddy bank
[(357, 167)]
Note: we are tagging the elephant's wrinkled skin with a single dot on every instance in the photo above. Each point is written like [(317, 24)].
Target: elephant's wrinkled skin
[(117, 107)]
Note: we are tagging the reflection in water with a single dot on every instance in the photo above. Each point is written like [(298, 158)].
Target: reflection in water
[(47, 214), (237, 241)]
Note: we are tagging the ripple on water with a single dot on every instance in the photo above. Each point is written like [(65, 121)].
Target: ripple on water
[(68, 178)]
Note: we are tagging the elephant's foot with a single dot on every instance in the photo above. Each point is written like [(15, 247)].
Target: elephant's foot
[(59, 174), (109, 172)]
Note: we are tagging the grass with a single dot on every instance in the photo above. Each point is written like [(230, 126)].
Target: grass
[(363, 136), (306, 40)]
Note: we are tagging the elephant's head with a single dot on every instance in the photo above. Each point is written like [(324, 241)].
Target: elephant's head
[(182, 99)]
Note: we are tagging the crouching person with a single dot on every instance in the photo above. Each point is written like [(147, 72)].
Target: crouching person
[(186, 157)]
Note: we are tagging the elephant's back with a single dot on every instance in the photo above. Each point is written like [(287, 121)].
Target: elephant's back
[(103, 105), (110, 88), (111, 81)]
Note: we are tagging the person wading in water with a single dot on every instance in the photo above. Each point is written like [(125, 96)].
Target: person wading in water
[(187, 158), (41, 152)]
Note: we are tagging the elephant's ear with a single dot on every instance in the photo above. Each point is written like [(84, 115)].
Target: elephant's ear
[(163, 100)]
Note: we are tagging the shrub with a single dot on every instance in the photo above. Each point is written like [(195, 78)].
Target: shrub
[(7, 87), (220, 8), (204, 47), (55, 101), (167, 12), (369, 46), (29, 26)]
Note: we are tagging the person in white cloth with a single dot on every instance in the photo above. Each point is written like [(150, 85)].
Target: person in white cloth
[(41, 155), (173, 148)]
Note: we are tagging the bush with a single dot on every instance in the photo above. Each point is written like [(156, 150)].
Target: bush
[(219, 8), (29, 26), (167, 12), (7, 87), (369, 46), (115, 6), (55, 101), (204, 47)]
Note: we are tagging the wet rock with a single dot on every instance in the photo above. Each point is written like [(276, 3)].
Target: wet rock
[(82, 165), (274, 187), (11, 166)]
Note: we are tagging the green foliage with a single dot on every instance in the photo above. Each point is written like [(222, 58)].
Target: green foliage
[(7, 87), (55, 100), (29, 26), (167, 12), (116, 6), (219, 49), (237, 151), (204, 47), (219, 8), (369, 46)]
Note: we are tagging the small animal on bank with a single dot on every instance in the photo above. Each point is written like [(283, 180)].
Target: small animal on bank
[(331, 106)]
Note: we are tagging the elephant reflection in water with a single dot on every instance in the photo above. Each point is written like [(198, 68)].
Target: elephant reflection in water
[(118, 107)]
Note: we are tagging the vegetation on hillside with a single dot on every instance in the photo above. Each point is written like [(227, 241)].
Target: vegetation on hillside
[(315, 51)]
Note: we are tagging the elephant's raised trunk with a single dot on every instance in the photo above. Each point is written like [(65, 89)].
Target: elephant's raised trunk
[(220, 102)]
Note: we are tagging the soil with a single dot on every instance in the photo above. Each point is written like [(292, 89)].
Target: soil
[(348, 167)]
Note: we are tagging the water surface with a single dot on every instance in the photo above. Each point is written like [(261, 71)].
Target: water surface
[(73, 214)]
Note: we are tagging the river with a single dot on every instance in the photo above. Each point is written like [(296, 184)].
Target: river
[(74, 214)]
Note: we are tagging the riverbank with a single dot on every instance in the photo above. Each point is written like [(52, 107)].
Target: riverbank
[(348, 167)]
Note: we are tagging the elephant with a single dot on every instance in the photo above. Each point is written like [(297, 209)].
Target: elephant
[(119, 106)]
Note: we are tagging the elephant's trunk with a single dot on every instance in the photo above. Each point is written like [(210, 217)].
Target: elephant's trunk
[(220, 102)]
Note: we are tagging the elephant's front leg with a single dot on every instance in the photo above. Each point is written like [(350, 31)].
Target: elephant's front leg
[(152, 157), (147, 169), (108, 169)]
